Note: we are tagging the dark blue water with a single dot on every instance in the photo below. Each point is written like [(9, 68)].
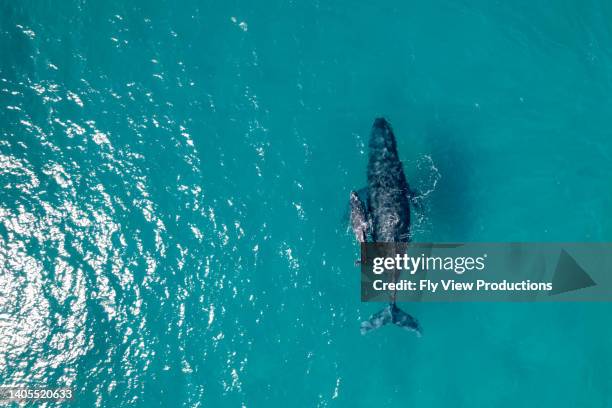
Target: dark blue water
[(175, 178)]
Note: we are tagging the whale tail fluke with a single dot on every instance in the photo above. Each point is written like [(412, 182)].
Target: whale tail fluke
[(391, 314)]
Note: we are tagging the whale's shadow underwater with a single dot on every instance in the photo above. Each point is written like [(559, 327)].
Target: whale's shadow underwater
[(381, 212)]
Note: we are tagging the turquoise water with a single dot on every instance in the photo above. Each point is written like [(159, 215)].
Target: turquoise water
[(175, 180)]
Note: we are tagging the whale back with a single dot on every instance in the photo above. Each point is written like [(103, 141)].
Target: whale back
[(388, 202)]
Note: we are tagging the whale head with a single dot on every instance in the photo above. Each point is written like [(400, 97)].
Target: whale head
[(382, 139)]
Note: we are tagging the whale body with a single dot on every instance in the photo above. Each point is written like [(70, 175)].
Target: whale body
[(388, 191), (382, 212)]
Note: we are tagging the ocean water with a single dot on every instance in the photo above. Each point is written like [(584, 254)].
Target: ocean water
[(174, 185)]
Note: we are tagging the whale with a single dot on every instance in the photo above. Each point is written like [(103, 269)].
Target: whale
[(380, 212)]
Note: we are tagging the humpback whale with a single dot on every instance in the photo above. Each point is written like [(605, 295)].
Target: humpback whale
[(385, 214)]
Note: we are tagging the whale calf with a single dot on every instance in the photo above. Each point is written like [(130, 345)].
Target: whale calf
[(385, 214)]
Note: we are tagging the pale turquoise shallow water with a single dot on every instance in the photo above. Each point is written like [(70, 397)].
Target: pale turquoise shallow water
[(175, 177)]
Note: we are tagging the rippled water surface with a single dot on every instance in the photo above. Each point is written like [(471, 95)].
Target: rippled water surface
[(175, 176)]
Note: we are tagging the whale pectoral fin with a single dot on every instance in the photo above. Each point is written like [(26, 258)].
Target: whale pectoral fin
[(363, 197), (362, 193), (359, 217)]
